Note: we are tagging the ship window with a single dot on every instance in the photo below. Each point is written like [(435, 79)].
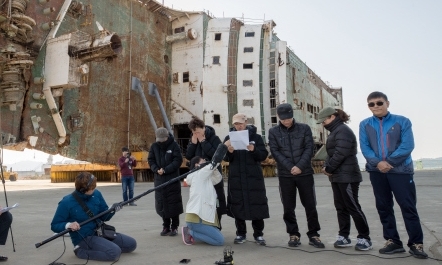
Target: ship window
[(247, 66), (178, 30), (247, 82), (185, 77), (248, 49), (215, 59), (217, 36), (247, 102), (250, 34), (216, 118)]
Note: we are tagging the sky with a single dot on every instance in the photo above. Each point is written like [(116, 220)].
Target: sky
[(393, 46)]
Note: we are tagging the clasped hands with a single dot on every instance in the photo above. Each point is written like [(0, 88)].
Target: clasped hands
[(384, 166)]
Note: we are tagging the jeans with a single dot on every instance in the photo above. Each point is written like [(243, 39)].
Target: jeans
[(98, 248), (402, 186), (206, 233), (128, 182)]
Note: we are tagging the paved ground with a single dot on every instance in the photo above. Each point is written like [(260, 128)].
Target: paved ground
[(38, 200)]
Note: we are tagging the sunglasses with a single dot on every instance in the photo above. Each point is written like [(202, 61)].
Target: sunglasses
[(379, 103)]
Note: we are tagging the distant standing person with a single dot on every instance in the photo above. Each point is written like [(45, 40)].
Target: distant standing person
[(127, 163), (165, 160), (342, 168), (246, 199), (291, 144), (203, 143), (5, 224), (387, 142)]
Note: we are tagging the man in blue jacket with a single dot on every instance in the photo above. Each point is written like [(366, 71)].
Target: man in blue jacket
[(387, 142)]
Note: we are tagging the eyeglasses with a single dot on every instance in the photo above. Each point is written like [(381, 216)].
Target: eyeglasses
[(379, 103)]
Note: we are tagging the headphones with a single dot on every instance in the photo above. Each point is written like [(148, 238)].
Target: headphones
[(85, 189)]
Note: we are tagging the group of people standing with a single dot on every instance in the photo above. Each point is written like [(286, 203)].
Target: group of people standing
[(386, 141)]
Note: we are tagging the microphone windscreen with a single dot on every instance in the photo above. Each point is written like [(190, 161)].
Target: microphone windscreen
[(220, 152)]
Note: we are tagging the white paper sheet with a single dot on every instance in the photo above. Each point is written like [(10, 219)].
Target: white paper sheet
[(239, 139), (2, 210)]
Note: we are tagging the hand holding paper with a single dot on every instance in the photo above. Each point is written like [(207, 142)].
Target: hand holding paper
[(239, 139)]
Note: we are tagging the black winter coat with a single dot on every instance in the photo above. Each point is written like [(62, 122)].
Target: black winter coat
[(167, 155), (246, 196), (206, 150), (292, 147), (342, 148)]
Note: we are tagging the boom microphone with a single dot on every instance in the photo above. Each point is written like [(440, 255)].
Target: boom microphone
[(220, 152)]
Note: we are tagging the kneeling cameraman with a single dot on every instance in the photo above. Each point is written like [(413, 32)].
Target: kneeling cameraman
[(87, 243)]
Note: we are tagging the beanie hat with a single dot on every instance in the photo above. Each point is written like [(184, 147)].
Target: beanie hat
[(161, 134)]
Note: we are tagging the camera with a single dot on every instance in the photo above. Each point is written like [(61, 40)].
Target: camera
[(128, 154)]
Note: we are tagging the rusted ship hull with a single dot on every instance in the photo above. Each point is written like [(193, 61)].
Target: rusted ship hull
[(105, 114)]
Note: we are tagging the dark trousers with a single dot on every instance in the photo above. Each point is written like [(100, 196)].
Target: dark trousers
[(257, 225), (5, 223), (404, 190), (346, 200), (222, 207), (306, 188), (172, 223)]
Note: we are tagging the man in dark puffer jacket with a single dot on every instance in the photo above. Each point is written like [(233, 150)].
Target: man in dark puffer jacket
[(342, 168), (291, 144)]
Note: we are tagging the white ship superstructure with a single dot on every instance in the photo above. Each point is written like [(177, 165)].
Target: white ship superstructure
[(222, 66)]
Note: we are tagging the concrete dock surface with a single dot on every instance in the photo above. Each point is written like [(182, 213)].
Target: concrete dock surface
[(38, 200)]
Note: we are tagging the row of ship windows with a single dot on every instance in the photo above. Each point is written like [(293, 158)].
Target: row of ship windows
[(217, 35), (186, 79)]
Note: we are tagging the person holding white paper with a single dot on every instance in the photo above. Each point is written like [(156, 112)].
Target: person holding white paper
[(246, 199)]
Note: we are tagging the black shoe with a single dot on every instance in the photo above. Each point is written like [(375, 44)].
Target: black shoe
[(165, 232), (390, 248), (132, 204), (417, 250), (174, 232), (260, 241), (316, 242), (294, 241), (239, 239), (3, 258)]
